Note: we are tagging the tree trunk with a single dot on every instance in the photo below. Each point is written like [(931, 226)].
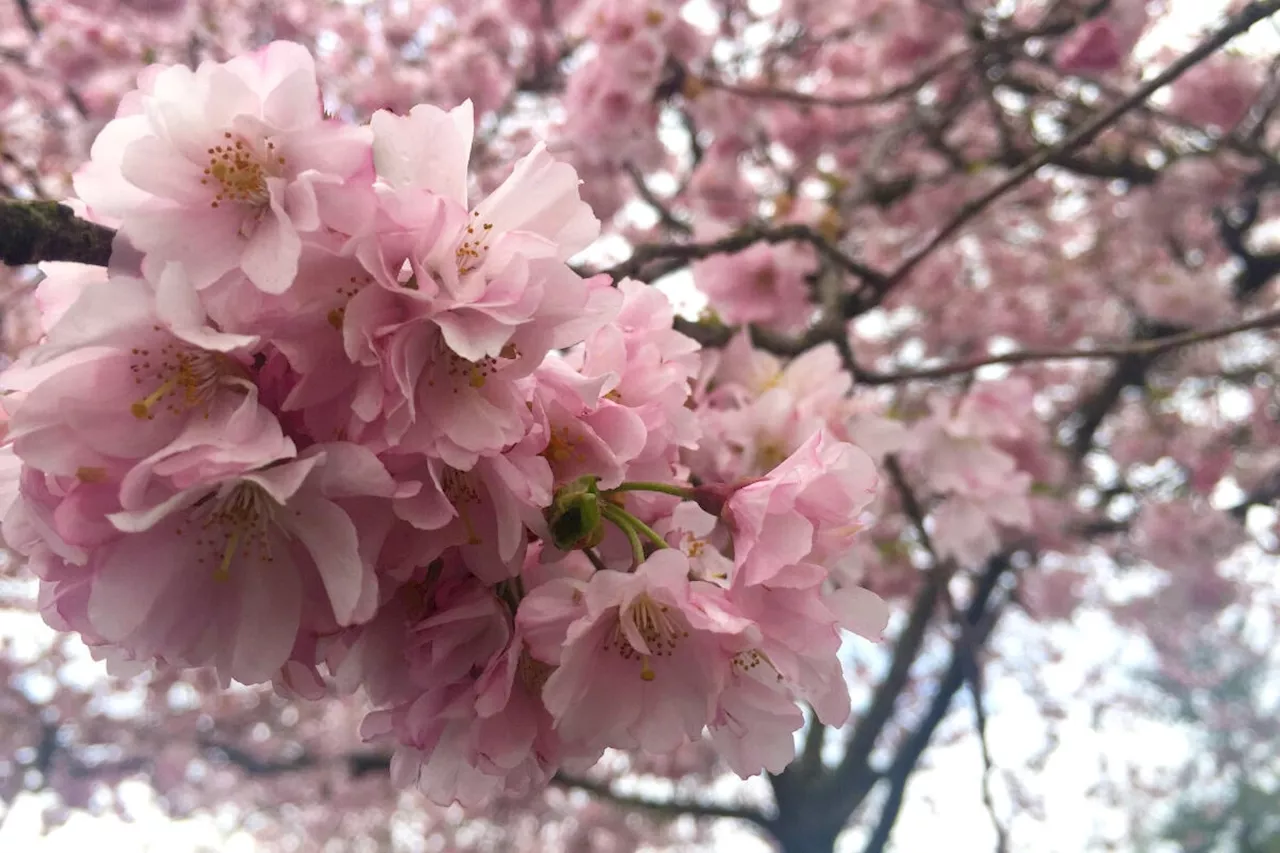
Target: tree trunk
[(806, 837)]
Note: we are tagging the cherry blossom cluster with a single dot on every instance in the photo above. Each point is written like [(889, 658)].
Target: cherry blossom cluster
[(328, 424)]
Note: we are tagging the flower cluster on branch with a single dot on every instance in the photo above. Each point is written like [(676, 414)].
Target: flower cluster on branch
[(331, 424)]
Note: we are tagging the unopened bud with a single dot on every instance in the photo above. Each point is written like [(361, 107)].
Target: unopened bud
[(574, 516)]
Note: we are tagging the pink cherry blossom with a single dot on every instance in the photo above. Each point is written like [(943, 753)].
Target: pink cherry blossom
[(808, 505), (642, 662), (228, 167)]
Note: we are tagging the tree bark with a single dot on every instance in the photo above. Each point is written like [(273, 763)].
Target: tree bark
[(33, 231)]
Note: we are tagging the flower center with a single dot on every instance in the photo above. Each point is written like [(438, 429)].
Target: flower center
[(746, 661), (187, 378), (239, 174), (765, 280), (770, 454), (234, 524), (460, 372), (533, 673), (660, 633), (561, 446), (470, 253), (337, 315), (457, 487)]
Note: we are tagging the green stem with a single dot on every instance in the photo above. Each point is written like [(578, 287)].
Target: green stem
[(664, 488), (623, 521), (648, 531)]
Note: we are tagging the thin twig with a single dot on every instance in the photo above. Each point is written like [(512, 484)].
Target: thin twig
[(646, 193), (975, 679), (674, 808), (772, 93), (680, 255), (1149, 348)]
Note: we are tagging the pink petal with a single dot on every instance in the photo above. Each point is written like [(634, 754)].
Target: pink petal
[(330, 537)]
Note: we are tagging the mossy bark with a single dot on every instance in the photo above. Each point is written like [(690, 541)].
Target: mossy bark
[(33, 231)]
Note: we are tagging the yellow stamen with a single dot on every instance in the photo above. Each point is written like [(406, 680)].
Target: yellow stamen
[(142, 408), (222, 574)]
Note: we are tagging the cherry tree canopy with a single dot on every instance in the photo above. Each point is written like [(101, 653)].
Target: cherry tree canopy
[(516, 422)]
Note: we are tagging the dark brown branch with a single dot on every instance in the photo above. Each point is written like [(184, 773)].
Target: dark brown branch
[(772, 93), (716, 335), (358, 763), (1147, 349), (665, 216), (997, 44), (33, 231), (980, 617), (363, 763), (678, 255), (814, 741), (711, 334), (1130, 371), (29, 16), (974, 677), (672, 808)]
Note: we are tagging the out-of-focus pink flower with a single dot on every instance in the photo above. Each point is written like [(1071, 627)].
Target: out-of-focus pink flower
[(1104, 43), (1217, 92), (763, 284)]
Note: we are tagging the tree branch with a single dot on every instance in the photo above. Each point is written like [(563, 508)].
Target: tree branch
[(29, 16), (673, 808), (358, 763), (981, 621), (33, 231), (974, 676), (1147, 349), (773, 93), (680, 255)]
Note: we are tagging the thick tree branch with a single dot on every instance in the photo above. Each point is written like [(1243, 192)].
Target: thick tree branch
[(33, 231), (980, 616)]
